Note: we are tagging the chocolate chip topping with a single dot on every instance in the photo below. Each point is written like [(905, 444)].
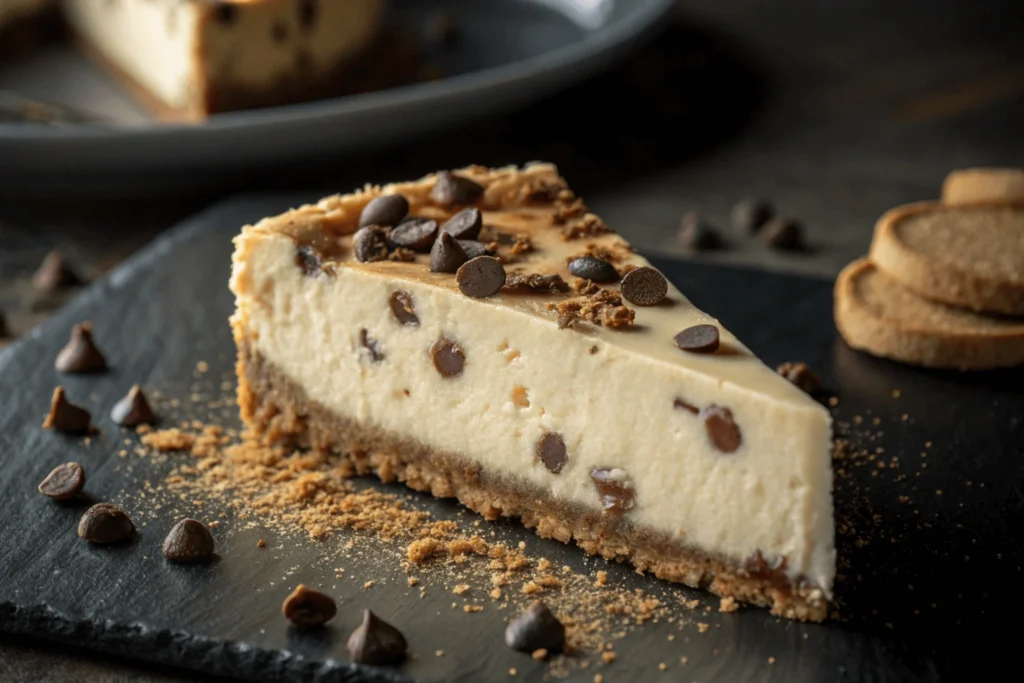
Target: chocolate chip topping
[(644, 286), (132, 410), (80, 354), (189, 541), (783, 233), (371, 346), (370, 244), (308, 260), (448, 357), (551, 451), (64, 482), (308, 608), (447, 254), (617, 495), (592, 268), (750, 215), (465, 225), (387, 210), (402, 308), (452, 189), (697, 234), (481, 277), (722, 430), (801, 375), (536, 628), (474, 248), (54, 273), (376, 642), (683, 405), (105, 523), (66, 417), (417, 234), (698, 339)]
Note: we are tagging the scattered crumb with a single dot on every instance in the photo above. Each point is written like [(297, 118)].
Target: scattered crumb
[(512, 671), (472, 608), (896, 393), (771, 660), (684, 660), (202, 366), (662, 666), (439, 653), (496, 594), (702, 627), (413, 581), (461, 589), (261, 543), (728, 604), (172, 439), (608, 656), (602, 579), (540, 654), (598, 678), (369, 584)]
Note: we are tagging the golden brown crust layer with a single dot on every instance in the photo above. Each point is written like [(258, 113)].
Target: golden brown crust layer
[(949, 280), (278, 411), (877, 315), (983, 185)]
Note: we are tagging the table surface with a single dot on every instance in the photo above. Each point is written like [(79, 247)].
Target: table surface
[(834, 114)]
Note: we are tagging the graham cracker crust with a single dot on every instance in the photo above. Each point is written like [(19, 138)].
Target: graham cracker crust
[(277, 410)]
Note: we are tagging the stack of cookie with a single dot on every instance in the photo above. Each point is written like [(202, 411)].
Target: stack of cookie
[(943, 286)]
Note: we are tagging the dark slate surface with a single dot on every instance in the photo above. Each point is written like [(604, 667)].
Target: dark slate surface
[(927, 586)]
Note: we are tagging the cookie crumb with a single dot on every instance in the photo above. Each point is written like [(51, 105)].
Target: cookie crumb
[(702, 627), (439, 653), (602, 579), (662, 666), (684, 660), (608, 656), (771, 660), (540, 654), (469, 609), (413, 581), (728, 604), (369, 584), (261, 543), (461, 589), (598, 678)]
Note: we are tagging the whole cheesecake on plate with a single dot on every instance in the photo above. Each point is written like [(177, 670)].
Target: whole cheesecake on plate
[(480, 334)]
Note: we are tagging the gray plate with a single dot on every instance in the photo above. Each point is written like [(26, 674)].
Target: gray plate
[(510, 52)]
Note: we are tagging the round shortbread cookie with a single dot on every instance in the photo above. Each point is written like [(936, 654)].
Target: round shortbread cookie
[(876, 314), (974, 185), (968, 255)]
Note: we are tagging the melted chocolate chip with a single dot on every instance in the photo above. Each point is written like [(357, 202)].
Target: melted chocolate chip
[(105, 523), (66, 417), (308, 260), (417, 234), (387, 210), (644, 286), (80, 354), (474, 248), (801, 375), (132, 410), (481, 277), (683, 405), (308, 608), (465, 225), (722, 430), (750, 215), (698, 339), (447, 254), (371, 346), (370, 244), (449, 358), (593, 268), (617, 495), (452, 189), (376, 642), (402, 308), (189, 541), (551, 451), (64, 482), (783, 233), (536, 628)]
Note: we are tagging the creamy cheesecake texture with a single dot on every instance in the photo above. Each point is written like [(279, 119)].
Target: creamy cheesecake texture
[(195, 57), (623, 400)]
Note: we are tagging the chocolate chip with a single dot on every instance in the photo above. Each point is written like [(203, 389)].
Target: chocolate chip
[(80, 354), (801, 375), (683, 405), (535, 629), (307, 13), (465, 225), (592, 268), (66, 417), (617, 494), (105, 523), (308, 260), (370, 244), (750, 215), (308, 608), (452, 189), (551, 451), (54, 273), (695, 233), (474, 248), (371, 346), (783, 233), (644, 286), (481, 277), (132, 410), (387, 210), (722, 430), (417, 234), (447, 254), (225, 12), (189, 541), (402, 308), (64, 482), (448, 357), (698, 339), (376, 642), (537, 282)]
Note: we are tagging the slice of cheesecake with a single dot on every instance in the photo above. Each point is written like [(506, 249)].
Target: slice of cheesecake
[(481, 335), (186, 59)]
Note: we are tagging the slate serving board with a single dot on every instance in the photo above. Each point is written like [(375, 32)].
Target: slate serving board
[(927, 587)]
